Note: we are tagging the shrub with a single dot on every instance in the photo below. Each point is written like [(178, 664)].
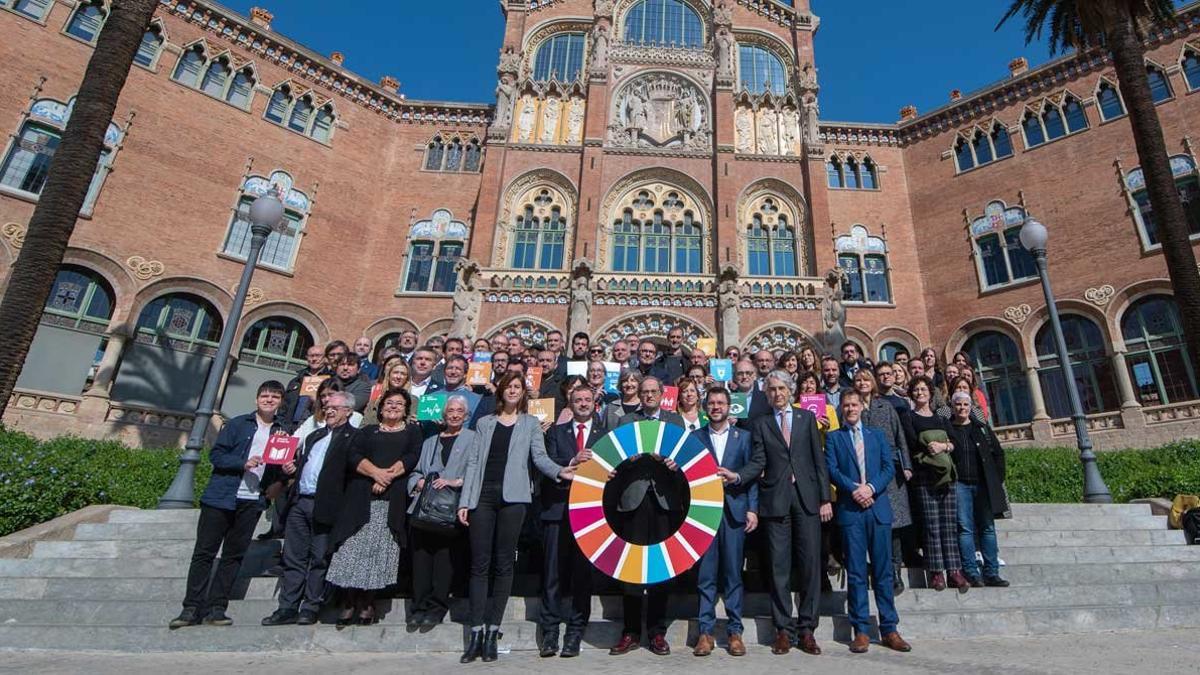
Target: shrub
[(1055, 475), (41, 480)]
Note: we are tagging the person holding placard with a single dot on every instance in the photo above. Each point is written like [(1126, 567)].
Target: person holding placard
[(688, 405), (628, 384), (301, 390), (495, 494), (230, 507), (597, 375)]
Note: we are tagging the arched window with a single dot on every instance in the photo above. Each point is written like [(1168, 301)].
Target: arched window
[(559, 58), (278, 343), (1187, 182), (1160, 86), (668, 235), (79, 298), (1191, 69), (473, 158), (963, 155), (758, 248), (279, 251), (453, 155), (834, 169), (869, 174), (27, 162), (301, 114), (1111, 106), (982, 146), (34, 9), (436, 245), (150, 48), (1157, 356), (434, 154), (179, 321), (772, 249), (215, 77), (664, 23), (190, 66), (540, 232), (997, 364), (1073, 111), (87, 20), (1093, 370), (760, 70), (851, 174), (1053, 119), (999, 255), (864, 259), (1034, 133), (889, 350)]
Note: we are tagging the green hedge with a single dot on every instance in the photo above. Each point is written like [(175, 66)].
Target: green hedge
[(1055, 475), (41, 480)]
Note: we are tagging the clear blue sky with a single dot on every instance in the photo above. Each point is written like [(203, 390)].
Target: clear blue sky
[(874, 56)]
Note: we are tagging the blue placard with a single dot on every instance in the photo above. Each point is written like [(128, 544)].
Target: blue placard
[(721, 369)]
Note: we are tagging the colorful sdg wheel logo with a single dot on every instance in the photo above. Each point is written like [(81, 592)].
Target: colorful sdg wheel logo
[(655, 562)]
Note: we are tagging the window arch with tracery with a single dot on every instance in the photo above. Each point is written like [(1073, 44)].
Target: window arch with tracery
[(151, 46), (981, 146), (851, 173), (282, 244), (302, 113), (540, 231), (216, 76), (772, 248), (559, 58), (86, 20), (760, 70), (436, 244), (450, 153), (664, 23), (1109, 100), (999, 256), (1191, 67), (658, 231), (1053, 120), (1187, 182), (864, 260)]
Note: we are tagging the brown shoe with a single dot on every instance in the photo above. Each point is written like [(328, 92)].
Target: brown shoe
[(957, 580), (736, 646), (627, 644), (704, 645), (659, 646), (860, 643), (893, 641), (783, 643), (808, 644)]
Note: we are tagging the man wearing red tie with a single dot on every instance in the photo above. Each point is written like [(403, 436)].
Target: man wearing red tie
[(860, 465), (563, 564), (793, 501)]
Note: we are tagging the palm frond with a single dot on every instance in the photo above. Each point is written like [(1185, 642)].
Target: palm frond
[(1080, 24)]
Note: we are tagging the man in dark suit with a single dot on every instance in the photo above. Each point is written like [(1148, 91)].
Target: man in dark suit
[(648, 362), (852, 362), (564, 564), (745, 382), (644, 506), (723, 560), (314, 502), (860, 465), (793, 502)]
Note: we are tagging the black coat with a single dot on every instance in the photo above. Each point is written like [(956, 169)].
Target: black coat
[(382, 449), (992, 467), (331, 482), (286, 417), (560, 446), (776, 462), (759, 406)]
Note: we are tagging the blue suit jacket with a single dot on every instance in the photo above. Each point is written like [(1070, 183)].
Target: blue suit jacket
[(843, 473), (743, 497), (228, 456)]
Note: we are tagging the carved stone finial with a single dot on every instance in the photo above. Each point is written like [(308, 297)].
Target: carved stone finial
[(955, 94), (261, 17), (908, 112), (389, 83), (338, 58)]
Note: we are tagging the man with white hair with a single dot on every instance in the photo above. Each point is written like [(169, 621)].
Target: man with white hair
[(314, 502), (794, 496)]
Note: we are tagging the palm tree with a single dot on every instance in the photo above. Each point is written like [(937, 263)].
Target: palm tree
[(1119, 28), (70, 173)]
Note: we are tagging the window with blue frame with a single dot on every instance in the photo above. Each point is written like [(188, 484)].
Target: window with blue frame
[(559, 58), (758, 248), (1160, 86), (627, 238), (1191, 69), (771, 240), (833, 168), (760, 70), (852, 174), (1187, 182), (1111, 105), (658, 244), (982, 147), (999, 255), (664, 23), (539, 241), (864, 260)]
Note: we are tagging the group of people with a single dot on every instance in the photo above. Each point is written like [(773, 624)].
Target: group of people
[(823, 454)]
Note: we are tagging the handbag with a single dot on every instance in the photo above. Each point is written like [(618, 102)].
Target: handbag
[(437, 510)]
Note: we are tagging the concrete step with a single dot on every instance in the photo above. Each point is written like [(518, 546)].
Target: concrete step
[(136, 531), (521, 635), (153, 516), (1099, 510), (114, 548), (1020, 538), (1074, 523), (1054, 555)]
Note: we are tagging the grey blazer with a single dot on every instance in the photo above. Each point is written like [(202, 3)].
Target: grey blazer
[(431, 461), (528, 441)]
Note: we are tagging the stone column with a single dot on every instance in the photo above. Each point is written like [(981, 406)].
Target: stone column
[(1035, 394), (1129, 397), (94, 406)]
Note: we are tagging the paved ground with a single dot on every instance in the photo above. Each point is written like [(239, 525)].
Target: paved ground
[(1136, 652)]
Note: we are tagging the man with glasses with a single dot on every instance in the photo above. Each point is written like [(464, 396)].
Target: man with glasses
[(314, 502), (648, 364), (852, 362), (885, 374), (297, 406), (499, 343), (745, 382)]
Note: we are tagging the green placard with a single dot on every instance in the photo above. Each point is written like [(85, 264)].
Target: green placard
[(430, 407), (739, 405)]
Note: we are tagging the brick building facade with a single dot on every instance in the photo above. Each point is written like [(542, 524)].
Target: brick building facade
[(648, 163)]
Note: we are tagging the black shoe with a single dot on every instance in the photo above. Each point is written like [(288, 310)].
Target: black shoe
[(995, 582), (187, 617), (217, 617), (490, 651), (570, 646), (273, 571), (415, 620), (975, 580), (549, 644), (281, 617), (474, 648), (430, 620), (307, 618)]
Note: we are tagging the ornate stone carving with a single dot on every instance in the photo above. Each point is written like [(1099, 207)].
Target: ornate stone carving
[(722, 14), (1018, 313), (806, 79), (467, 299), (579, 319), (520, 193), (604, 7), (527, 121), (833, 313), (811, 114), (510, 61), (144, 269), (726, 44), (660, 180), (15, 234), (1100, 296), (575, 121), (768, 132), (729, 300), (651, 324), (744, 128), (777, 337), (660, 110), (506, 94), (254, 296), (599, 55), (551, 111), (789, 126)]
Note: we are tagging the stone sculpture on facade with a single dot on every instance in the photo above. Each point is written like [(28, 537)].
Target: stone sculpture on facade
[(527, 121), (468, 298), (811, 114), (579, 318), (790, 132), (550, 114), (506, 93), (660, 110), (768, 132), (725, 48), (604, 7), (729, 301), (599, 56), (807, 79), (575, 121), (510, 61), (722, 14), (743, 122), (833, 313)]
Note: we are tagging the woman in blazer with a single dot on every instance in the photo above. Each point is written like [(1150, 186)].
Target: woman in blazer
[(435, 559), (496, 491)]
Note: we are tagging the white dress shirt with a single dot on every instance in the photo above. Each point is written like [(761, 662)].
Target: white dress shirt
[(719, 440), (251, 480), (417, 390), (312, 467)]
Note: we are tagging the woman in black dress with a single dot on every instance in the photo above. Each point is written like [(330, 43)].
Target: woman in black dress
[(370, 531)]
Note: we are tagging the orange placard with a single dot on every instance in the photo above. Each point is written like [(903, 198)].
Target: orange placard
[(542, 408), (479, 374), (310, 384), (533, 379)]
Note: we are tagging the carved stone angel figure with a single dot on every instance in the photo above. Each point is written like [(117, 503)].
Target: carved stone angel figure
[(506, 92), (527, 121), (604, 7), (725, 45), (550, 120), (599, 48), (467, 299), (729, 300), (744, 125), (768, 132)]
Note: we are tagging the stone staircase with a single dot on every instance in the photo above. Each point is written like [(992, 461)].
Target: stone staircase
[(1073, 568)]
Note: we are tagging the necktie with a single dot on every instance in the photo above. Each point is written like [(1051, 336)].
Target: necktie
[(785, 423), (580, 438), (860, 452)]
